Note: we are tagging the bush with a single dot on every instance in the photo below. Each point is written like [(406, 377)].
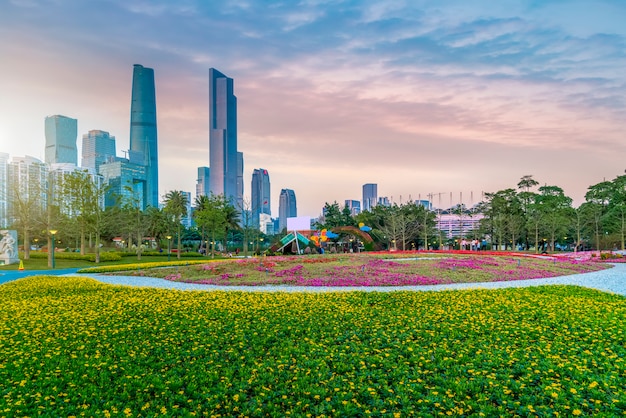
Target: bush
[(104, 256)]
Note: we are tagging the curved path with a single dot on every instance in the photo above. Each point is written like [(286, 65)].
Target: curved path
[(611, 280)]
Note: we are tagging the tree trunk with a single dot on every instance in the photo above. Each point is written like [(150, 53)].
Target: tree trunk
[(179, 240), (97, 248), (82, 240), (49, 251), (26, 244)]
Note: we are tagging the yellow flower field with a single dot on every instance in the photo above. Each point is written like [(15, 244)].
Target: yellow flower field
[(72, 346)]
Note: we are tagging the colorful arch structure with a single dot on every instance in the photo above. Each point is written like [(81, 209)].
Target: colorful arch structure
[(365, 237)]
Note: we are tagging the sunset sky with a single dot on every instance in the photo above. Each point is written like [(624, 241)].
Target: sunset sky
[(455, 96)]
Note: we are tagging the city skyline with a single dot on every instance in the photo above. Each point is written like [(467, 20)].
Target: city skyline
[(420, 98)]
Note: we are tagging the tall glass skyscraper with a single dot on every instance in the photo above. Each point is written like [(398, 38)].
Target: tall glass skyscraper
[(143, 129), (260, 194), (98, 148), (370, 195), (61, 134), (286, 208), (202, 182), (225, 161)]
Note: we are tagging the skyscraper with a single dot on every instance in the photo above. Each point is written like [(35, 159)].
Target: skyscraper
[(202, 182), (61, 134), (4, 190), (27, 180), (260, 194), (370, 195), (143, 129), (225, 162), (354, 206), (98, 148), (286, 208), (125, 180)]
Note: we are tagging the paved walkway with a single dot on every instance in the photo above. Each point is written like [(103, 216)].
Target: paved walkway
[(611, 280)]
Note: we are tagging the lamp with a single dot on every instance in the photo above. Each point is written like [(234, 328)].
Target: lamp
[(53, 233), (169, 246)]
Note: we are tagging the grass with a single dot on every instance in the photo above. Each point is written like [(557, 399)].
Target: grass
[(365, 270), (60, 263), (72, 346)]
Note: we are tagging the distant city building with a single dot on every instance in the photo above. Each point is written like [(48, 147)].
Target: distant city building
[(384, 201), (239, 202), (187, 220), (354, 206), (260, 195), (202, 182), (98, 148), (57, 175), (266, 224), (454, 225), (425, 203), (27, 179), (370, 196), (225, 161), (61, 133), (126, 181), (287, 208), (143, 129), (4, 190)]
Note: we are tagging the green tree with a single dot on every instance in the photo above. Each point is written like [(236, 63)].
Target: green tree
[(557, 212), (27, 210), (176, 207), (212, 217)]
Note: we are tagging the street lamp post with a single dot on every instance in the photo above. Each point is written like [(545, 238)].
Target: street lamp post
[(169, 246), (53, 233)]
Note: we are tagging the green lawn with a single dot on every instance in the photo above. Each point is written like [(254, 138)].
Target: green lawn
[(75, 347), (61, 263)]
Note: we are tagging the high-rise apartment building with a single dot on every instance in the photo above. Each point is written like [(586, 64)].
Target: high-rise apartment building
[(354, 206), (143, 129), (370, 195), (260, 194), (225, 161), (27, 181), (202, 182), (61, 133), (287, 208), (98, 148), (4, 190)]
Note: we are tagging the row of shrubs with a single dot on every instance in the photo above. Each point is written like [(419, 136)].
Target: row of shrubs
[(104, 256)]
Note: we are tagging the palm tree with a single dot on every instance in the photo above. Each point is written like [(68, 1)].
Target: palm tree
[(176, 206), (232, 220)]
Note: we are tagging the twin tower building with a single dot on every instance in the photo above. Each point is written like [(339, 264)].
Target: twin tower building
[(139, 170), (225, 174)]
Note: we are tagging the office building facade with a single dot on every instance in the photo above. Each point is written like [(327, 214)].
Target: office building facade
[(354, 206), (27, 181), (287, 208), (260, 195), (126, 181), (370, 195), (98, 148), (61, 134), (202, 182), (4, 190), (143, 129), (225, 161)]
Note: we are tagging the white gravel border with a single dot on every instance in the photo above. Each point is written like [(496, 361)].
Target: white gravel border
[(612, 280)]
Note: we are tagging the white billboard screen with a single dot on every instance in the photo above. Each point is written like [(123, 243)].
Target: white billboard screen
[(300, 223)]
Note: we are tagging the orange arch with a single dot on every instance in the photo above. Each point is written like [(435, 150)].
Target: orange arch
[(354, 231)]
